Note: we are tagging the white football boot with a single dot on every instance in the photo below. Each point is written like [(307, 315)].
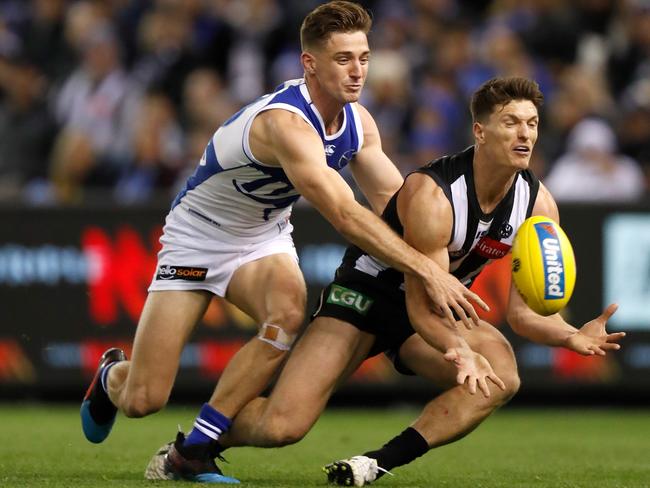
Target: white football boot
[(156, 467), (356, 471)]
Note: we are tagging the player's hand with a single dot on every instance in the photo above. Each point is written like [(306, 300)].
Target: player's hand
[(593, 339), (449, 295), (473, 370)]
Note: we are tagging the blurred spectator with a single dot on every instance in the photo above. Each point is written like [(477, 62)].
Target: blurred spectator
[(634, 125), (10, 43), (592, 170), (166, 56), (388, 91), (506, 55), (93, 109), (81, 19), (91, 61), (436, 120), (595, 15), (206, 101), (630, 57), (45, 42), (157, 151), (579, 94), (26, 130), (552, 34), (254, 22)]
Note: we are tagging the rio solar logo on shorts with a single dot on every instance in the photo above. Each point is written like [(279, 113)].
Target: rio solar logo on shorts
[(553, 261), (187, 273)]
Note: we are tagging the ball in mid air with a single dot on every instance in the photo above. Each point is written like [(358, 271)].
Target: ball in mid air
[(543, 265)]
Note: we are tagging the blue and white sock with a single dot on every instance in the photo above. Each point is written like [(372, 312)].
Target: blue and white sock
[(103, 376), (208, 426)]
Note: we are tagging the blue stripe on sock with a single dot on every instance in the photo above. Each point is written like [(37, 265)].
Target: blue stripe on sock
[(103, 376), (215, 419)]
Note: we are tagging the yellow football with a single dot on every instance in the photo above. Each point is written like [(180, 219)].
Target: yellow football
[(543, 265)]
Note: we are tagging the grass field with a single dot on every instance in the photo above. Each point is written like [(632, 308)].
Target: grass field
[(42, 446)]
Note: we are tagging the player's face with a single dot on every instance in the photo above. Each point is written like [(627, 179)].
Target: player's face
[(510, 133), (341, 65)]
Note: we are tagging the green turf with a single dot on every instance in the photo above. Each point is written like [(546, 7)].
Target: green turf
[(42, 446)]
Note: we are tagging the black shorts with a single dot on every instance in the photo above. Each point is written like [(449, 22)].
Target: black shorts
[(371, 306)]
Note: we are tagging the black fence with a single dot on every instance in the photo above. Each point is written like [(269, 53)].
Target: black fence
[(73, 281)]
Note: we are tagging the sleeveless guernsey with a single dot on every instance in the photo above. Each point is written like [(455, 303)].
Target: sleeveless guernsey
[(477, 238), (237, 193)]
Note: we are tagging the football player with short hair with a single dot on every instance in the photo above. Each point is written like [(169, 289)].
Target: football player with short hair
[(462, 211), (228, 234)]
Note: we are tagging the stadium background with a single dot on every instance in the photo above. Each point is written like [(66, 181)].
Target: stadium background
[(106, 106)]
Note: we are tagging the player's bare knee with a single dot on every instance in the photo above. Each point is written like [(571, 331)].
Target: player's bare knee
[(281, 330), (143, 402), (283, 431), (512, 384), (289, 317)]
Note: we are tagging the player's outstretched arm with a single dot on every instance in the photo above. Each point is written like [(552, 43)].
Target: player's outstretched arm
[(427, 219), (592, 338), (300, 152), (553, 330)]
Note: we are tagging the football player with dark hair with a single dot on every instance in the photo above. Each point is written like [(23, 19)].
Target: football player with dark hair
[(228, 234), (462, 211)]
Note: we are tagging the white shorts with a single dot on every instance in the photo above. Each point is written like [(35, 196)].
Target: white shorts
[(196, 255)]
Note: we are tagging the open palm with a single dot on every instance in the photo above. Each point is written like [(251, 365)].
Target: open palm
[(474, 370), (593, 337)]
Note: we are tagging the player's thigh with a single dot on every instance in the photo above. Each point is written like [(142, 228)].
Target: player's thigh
[(327, 349), (167, 320), (270, 289)]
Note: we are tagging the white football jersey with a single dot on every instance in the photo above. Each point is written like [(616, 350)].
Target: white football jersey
[(241, 195)]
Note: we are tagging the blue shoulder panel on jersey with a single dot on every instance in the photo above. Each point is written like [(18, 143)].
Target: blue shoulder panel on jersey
[(340, 151), (293, 97), (207, 167)]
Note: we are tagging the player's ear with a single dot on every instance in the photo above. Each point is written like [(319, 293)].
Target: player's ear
[(308, 62), (479, 132)]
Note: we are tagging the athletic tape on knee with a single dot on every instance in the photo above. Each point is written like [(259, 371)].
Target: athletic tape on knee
[(276, 336)]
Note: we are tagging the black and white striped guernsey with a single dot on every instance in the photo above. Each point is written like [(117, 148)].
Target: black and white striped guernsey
[(477, 238)]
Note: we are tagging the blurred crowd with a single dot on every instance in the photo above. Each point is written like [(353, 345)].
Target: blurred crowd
[(118, 98)]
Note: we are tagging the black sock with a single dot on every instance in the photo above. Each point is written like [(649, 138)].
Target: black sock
[(400, 450)]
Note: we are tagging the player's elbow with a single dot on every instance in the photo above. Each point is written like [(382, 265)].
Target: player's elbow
[(342, 219), (516, 318)]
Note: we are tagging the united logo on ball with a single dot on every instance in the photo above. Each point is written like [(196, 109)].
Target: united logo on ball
[(543, 265)]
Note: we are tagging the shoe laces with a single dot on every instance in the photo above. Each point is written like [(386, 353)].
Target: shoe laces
[(385, 471)]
